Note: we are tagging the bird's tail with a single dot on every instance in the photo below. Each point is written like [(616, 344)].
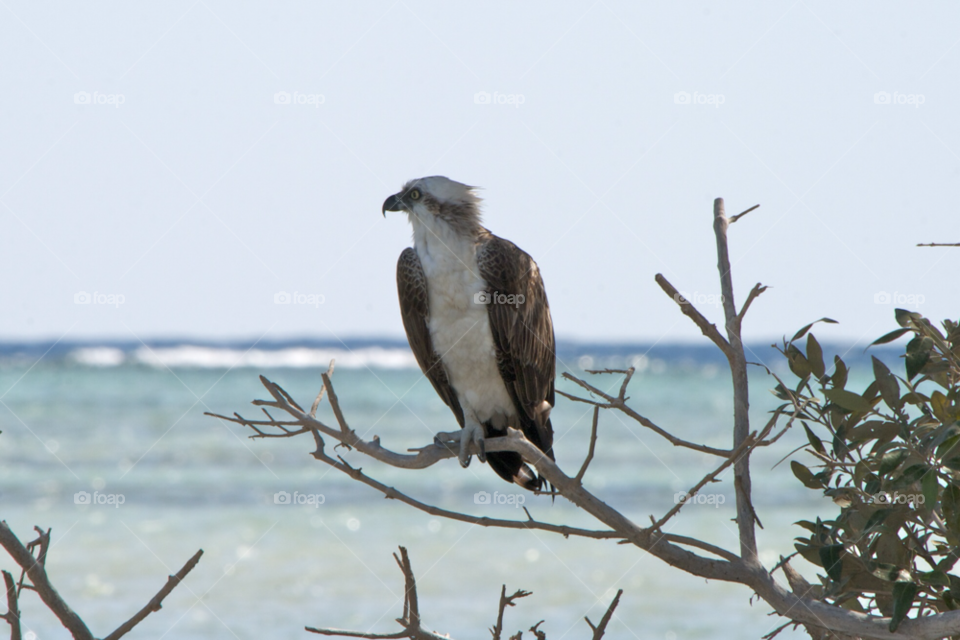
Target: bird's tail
[(509, 465)]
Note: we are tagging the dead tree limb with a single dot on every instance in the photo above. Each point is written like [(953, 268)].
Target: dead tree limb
[(33, 567)]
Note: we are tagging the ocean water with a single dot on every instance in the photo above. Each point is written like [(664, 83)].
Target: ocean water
[(124, 423)]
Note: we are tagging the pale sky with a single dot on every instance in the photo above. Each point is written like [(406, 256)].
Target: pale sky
[(145, 159)]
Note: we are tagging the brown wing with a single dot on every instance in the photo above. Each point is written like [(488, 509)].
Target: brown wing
[(415, 309), (522, 333)]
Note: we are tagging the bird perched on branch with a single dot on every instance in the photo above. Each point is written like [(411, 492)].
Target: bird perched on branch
[(477, 319)]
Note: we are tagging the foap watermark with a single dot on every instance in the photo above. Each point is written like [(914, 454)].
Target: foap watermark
[(716, 499), (909, 99), (284, 297), (111, 499), (484, 497), (510, 99), (906, 299), (699, 299), (886, 498), (495, 297), (310, 99), (112, 99), (303, 499), (113, 299), (711, 99)]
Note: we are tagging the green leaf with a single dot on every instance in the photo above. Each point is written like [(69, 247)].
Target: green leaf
[(890, 337), (951, 507), (804, 475), (798, 362), (903, 595), (889, 388), (830, 558), (839, 377), (803, 331), (891, 460), (915, 361), (815, 442), (815, 356), (848, 400), (907, 318)]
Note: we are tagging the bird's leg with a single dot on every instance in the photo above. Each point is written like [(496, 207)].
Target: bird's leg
[(472, 433)]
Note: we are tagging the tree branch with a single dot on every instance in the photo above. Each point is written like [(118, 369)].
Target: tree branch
[(506, 601), (619, 403), (12, 616), (599, 630), (156, 603)]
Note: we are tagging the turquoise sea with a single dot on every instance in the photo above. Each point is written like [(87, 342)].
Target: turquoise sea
[(123, 424)]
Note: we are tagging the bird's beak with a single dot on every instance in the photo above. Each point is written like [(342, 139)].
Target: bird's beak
[(393, 203)]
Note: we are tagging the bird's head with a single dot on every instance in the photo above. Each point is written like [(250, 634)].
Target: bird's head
[(437, 197)]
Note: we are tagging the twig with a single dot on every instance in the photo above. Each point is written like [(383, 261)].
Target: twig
[(939, 244), (706, 327), (619, 403), (156, 602), (754, 293), (12, 616), (593, 444), (38, 576), (395, 494), (599, 630), (506, 601), (316, 401), (743, 213), (744, 446), (410, 620)]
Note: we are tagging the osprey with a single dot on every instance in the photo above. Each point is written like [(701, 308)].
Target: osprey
[(477, 319)]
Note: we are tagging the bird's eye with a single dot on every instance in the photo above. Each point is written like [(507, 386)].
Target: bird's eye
[(415, 194)]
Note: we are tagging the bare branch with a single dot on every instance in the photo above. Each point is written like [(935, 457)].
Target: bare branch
[(38, 576), (410, 620), (939, 244), (706, 327), (743, 213), (156, 602), (710, 477), (754, 293), (506, 601), (599, 630), (619, 403), (395, 494), (593, 444), (12, 616), (746, 515)]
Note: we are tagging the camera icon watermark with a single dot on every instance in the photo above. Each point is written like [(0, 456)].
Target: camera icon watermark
[(715, 499), (495, 297), (109, 499), (484, 497), (910, 99), (509, 99), (710, 99), (886, 498), (310, 99), (311, 299), (112, 299), (303, 499), (699, 299), (113, 99), (905, 299)]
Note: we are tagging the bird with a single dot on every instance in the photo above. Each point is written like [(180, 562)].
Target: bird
[(476, 316)]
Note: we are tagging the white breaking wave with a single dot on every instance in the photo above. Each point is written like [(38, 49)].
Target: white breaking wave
[(224, 358), (98, 356)]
